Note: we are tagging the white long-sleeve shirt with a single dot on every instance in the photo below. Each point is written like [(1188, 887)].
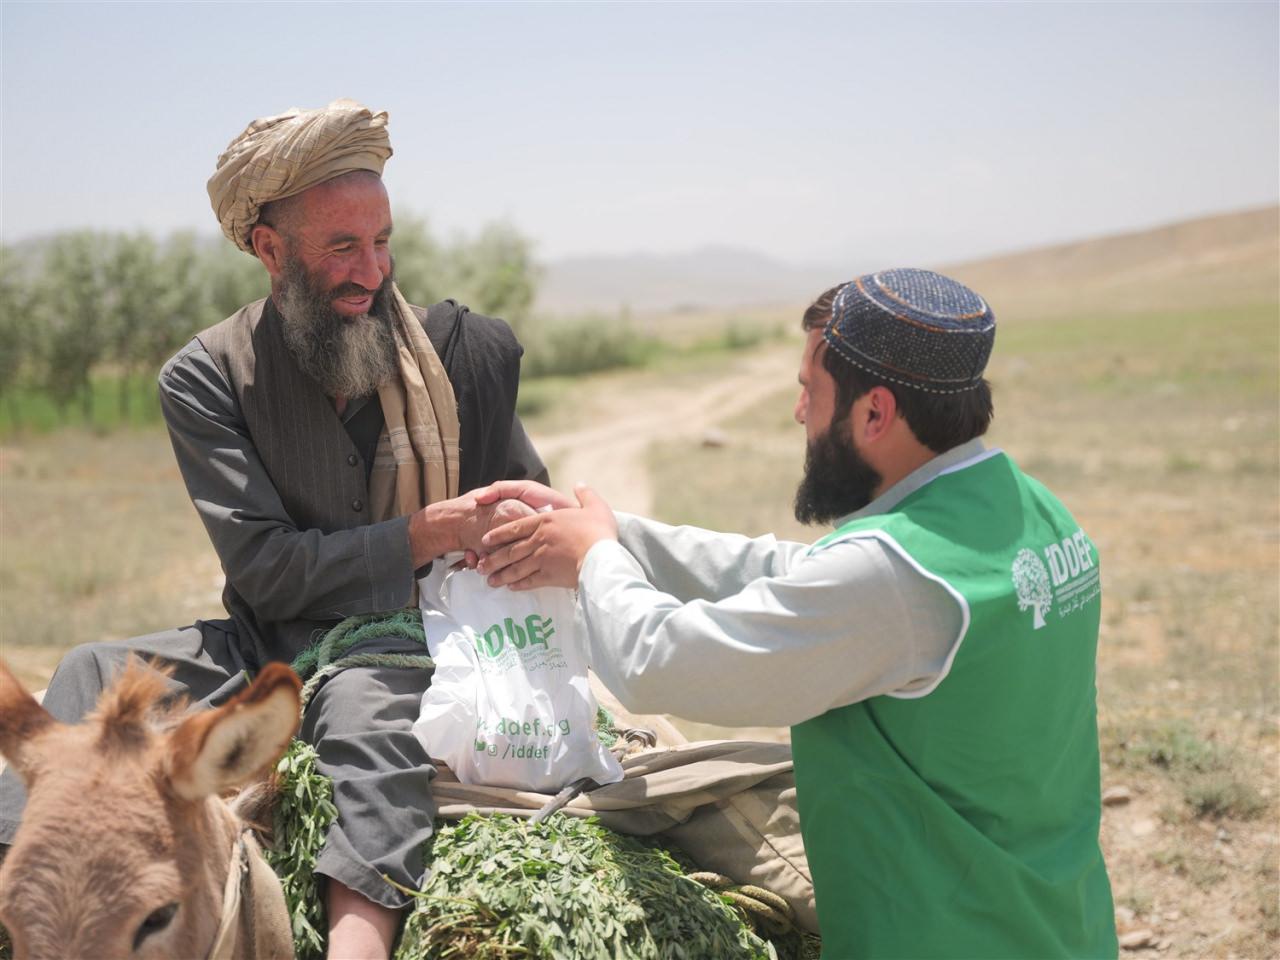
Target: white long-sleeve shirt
[(726, 629)]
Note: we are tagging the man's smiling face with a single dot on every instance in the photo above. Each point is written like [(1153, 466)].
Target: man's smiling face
[(340, 231), (329, 255)]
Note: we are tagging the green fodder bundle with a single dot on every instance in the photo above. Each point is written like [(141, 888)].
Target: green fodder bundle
[(303, 811), (565, 889), (501, 887)]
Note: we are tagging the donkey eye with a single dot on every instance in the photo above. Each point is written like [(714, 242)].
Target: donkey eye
[(156, 921)]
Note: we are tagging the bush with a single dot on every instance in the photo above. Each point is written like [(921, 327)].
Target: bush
[(1213, 797), (536, 396), (583, 346)]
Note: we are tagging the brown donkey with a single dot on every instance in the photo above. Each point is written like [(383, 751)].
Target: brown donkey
[(126, 848)]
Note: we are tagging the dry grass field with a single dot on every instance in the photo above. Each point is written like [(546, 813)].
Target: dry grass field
[(1156, 421)]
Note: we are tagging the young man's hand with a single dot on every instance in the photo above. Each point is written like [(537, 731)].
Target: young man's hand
[(547, 549), (531, 492)]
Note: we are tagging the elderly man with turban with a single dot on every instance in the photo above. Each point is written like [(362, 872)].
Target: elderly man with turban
[(328, 436)]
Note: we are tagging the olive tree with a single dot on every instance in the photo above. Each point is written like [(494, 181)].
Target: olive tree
[(72, 305)]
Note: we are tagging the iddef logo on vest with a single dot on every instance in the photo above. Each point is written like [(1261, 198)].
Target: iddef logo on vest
[(1062, 574)]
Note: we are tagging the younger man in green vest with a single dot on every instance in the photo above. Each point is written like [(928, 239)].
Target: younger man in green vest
[(934, 655)]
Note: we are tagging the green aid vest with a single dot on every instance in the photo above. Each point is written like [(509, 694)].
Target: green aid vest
[(962, 820)]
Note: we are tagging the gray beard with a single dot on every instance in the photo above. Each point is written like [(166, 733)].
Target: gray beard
[(347, 356)]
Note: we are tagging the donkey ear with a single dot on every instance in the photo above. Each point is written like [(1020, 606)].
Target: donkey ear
[(22, 722), (218, 750)]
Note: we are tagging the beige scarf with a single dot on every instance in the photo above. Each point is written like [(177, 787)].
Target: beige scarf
[(416, 462)]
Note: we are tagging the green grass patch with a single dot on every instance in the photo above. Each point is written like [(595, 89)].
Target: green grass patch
[(1139, 901), (1211, 797), (1232, 350), (1169, 746), (1181, 463), (1203, 872), (1213, 780), (736, 487), (113, 403), (737, 334)]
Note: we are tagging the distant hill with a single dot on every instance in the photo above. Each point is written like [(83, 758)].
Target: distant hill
[(712, 277), (1229, 259)]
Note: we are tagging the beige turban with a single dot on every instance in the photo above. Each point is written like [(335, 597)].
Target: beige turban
[(277, 157)]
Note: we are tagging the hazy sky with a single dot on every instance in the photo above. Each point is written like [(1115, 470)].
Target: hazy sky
[(855, 133)]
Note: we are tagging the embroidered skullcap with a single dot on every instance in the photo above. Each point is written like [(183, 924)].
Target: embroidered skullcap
[(915, 328), (280, 156)]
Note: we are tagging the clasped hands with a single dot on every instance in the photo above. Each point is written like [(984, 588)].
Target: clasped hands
[(536, 536)]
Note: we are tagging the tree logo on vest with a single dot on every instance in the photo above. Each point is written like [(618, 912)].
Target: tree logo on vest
[(1031, 581), (1061, 575)]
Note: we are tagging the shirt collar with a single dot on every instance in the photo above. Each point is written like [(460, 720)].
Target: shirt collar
[(916, 479), (355, 406)]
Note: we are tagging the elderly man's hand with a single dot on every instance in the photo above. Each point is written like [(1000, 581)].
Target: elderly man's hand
[(458, 524), (547, 549), (489, 516)]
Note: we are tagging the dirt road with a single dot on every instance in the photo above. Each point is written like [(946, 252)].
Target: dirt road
[(610, 454)]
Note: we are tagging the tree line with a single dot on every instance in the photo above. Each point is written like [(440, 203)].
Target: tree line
[(85, 306)]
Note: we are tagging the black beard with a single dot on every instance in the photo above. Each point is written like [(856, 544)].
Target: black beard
[(837, 480), (348, 356)]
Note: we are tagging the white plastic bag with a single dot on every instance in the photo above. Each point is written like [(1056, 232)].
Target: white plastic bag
[(509, 704)]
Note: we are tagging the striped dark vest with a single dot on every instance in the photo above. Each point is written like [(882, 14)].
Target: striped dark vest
[(317, 471)]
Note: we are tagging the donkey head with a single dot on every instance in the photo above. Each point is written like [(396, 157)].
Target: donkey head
[(125, 844)]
